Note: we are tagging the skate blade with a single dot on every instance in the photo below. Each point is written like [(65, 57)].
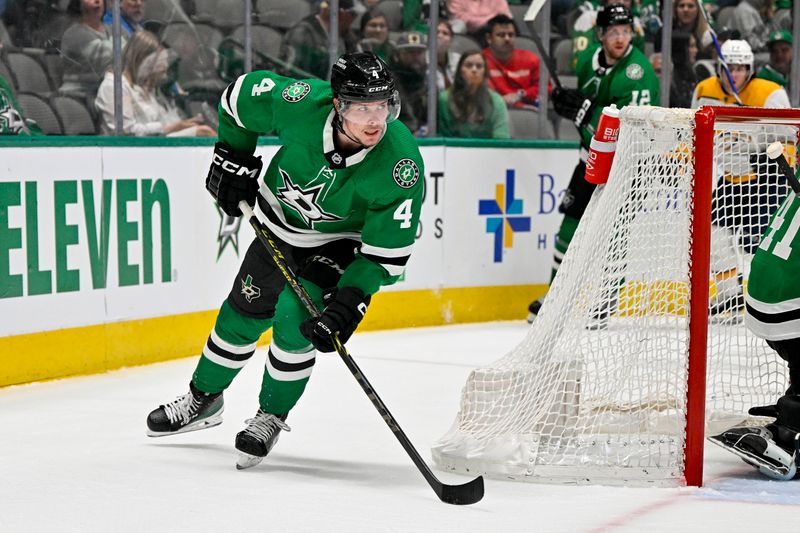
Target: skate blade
[(206, 423), (245, 461)]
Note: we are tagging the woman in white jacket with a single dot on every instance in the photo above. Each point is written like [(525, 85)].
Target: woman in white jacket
[(144, 112)]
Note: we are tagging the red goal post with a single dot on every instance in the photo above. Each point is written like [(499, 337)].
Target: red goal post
[(705, 120)]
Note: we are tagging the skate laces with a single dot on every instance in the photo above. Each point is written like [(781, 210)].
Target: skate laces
[(183, 407), (263, 426)]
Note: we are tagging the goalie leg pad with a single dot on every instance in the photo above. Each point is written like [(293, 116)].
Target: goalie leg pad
[(754, 445)]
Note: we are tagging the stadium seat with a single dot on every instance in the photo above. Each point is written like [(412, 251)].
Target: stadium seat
[(566, 130), (524, 124), (177, 33), (164, 11), (264, 39), (526, 43), (224, 14), (75, 117), (29, 73), (393, 10), (35, 107), (518, 14), (282, 14), (562, 55), (462, 43)]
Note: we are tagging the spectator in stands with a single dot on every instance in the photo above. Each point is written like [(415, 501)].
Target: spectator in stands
[(305, 45), (145, 111), (131, 14), (416, 14), (375, 35), (409, 64), (470, 108), (473, 15), (446, 60), (783, 16), (780, 59), (12, 120), (513, 72), (751, 18), (686, 16), (684, 79), (86, 49)]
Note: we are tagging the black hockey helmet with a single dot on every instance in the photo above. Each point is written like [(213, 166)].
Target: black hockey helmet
[(614, 15), (362, 76)]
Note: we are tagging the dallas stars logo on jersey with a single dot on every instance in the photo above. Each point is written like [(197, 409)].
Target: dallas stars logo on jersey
[(406, 173), (296, 91), (304, 201)]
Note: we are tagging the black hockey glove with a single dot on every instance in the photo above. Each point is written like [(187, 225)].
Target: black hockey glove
[(233, 176), (573, 105), (344, 309)]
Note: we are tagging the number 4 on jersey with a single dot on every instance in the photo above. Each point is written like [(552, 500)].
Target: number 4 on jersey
[(403, 214), (265, 86)]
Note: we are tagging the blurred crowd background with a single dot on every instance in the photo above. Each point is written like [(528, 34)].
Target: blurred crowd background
[(465, 68)]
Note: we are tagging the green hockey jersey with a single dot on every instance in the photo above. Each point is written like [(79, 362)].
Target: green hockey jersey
[(767, 72), (311, 193), (773, 291), (11, 120), (630, 81)]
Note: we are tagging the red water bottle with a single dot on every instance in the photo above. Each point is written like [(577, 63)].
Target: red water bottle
[(603, 146)]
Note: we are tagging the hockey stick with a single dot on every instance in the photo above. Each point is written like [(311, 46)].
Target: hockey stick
[(465, 494), (720, 55), (775, 152), (530, 16)]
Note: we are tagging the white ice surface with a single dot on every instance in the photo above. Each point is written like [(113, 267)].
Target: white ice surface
[(74, 457)]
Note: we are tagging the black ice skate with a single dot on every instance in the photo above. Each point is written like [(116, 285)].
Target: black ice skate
[(256, 440), (190, 412), (755, 446)]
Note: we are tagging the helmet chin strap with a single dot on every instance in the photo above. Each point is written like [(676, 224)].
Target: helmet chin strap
[(338, 123)]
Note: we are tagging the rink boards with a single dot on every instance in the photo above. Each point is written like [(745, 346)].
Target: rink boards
[(113, 254)]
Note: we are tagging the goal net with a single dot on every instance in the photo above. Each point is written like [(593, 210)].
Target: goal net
[(640, 347)]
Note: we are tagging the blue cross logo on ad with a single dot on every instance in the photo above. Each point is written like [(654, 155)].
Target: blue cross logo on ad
[(502, 219)]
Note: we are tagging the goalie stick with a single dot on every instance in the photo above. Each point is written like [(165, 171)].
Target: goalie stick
[(468, 493), (775, 152)]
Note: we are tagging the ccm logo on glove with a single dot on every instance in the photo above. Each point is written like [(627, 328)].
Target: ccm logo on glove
[(233, 177), (344, 309)]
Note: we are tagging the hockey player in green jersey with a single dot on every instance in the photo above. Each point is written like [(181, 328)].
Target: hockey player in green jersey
[(615, 73), (773, 313), (343, 197)]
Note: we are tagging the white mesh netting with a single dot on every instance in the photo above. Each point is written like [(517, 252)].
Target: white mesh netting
[(596, 392)]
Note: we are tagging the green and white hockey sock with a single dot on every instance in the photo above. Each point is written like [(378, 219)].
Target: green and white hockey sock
[(229, 347)]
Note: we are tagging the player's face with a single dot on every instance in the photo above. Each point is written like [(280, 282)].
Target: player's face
[(780, 56), (365, 121), (501, 39), (616, 40), (473, 70), (739, 73)]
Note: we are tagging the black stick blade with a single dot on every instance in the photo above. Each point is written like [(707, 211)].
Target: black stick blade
[(465, 494)]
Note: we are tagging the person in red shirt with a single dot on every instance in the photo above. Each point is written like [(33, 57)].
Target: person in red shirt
[(514, 73)]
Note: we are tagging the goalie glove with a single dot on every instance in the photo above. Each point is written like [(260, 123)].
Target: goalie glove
[(344, 309), (233, 176), (573, 105)]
